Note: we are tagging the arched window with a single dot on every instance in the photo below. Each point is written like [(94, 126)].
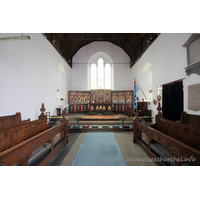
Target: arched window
[(100, 74), (107, 76), (93, 76)]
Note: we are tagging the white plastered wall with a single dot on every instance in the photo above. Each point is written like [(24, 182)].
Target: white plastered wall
[(79, 76), (168, 58), (28, 76)]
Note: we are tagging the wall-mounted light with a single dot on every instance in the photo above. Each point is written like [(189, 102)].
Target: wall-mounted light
[(25, 37), (150, 91)]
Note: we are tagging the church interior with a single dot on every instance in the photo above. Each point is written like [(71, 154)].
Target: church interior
[(78, 83), (99, 102)]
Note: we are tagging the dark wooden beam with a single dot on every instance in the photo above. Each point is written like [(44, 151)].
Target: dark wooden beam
[(68, 49), (59, 46), (144, 47), (127, 40)]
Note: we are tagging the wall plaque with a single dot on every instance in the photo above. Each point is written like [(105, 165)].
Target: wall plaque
[(194, 97), (193, 54)]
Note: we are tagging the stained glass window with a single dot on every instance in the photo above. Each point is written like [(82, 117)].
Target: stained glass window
[(93, 76), (100, 75), (107, 76)]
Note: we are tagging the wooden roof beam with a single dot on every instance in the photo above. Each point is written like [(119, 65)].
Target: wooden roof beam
[(52, 39)]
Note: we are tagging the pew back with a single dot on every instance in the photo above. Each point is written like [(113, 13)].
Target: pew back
[(10, 121), (193, 120), (187, 134), (14, 135)]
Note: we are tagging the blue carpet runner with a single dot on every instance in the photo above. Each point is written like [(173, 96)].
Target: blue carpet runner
[(99, 149)]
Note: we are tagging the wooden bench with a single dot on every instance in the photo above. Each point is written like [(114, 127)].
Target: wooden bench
[(182, 140), (193, 120), (11, 120), (19, 141)]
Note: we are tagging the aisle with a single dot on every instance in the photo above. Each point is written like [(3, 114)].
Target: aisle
[(99, 149)]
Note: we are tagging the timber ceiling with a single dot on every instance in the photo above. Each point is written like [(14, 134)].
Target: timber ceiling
[(134, 44)]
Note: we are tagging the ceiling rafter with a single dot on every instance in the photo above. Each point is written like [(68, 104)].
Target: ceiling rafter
[(53, 38), (127, 39), (75, 41), (134, 44)]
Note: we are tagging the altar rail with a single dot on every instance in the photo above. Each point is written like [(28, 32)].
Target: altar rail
[(18, 142)]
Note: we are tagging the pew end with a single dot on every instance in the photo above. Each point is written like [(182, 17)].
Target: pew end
[(18, 142)]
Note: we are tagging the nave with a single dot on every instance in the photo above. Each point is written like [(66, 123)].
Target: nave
[(129, 150), (132, 153), (124, 139)]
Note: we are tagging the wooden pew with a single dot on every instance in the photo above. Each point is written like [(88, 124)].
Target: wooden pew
[(143, 108), (18, 142), (182, 140), (11, 120), (193, 120)]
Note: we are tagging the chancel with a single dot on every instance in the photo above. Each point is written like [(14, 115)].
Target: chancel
[(100, 99)]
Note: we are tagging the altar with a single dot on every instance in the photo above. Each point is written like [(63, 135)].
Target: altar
[(100, 100), (101, 107)]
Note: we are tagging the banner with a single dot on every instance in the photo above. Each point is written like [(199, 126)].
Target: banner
[(136, 88)]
